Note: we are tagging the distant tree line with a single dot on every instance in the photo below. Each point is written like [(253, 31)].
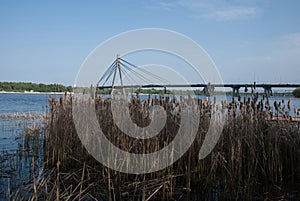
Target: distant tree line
[(28, 86)]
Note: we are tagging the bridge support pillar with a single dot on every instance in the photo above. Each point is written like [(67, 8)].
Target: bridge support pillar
[(208, 89), (268, 90), (235, 91)]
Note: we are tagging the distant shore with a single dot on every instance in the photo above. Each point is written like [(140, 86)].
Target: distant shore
[(34, 92)]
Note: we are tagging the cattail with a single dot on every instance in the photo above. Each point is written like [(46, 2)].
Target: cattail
[(275, 105), (258, 106), (247, 134)]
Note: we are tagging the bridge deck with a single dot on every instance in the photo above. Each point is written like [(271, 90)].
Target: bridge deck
[(205, 85)]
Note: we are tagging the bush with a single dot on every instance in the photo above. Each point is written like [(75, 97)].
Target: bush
[(296, 92)]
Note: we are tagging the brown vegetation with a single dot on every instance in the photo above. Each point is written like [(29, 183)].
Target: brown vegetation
[(255, 158)]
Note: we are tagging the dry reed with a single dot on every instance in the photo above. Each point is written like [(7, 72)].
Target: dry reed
[(255, 158)]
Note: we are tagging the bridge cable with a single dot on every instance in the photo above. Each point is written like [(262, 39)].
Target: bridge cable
[(146, 72)]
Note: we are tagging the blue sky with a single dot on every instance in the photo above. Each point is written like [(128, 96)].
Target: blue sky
[(47, 41)]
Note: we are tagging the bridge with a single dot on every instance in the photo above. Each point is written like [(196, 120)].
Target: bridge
[(209, 88), (122, 66)]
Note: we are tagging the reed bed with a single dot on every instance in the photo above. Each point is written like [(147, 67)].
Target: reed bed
[(22, 160), (23, 116), (254, 159)]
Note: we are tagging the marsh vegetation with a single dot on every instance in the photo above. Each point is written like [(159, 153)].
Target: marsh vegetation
[(257, 156)]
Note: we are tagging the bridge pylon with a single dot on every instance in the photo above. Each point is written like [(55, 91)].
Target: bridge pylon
[(118, 68)]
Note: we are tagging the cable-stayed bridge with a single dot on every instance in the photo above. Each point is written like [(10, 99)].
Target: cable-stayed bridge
[(121, 67)]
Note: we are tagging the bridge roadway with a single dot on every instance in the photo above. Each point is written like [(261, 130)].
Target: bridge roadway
[(209, 88), (205, 85)]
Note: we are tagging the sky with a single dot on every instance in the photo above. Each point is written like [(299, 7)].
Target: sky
[(249, 40)]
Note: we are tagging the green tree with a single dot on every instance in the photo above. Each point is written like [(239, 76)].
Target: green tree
[(27, 86)]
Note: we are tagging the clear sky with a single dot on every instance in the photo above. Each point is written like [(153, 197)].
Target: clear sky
[(47, 41)]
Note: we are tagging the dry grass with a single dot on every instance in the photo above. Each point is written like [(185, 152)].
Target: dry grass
[(255, 158)]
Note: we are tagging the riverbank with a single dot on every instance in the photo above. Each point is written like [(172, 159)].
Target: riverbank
[(34, 92)]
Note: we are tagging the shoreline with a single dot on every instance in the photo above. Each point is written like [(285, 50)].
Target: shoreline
[(35, 92)]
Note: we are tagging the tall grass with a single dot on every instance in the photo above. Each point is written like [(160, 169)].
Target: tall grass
[(20, 161), (255, 158)]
